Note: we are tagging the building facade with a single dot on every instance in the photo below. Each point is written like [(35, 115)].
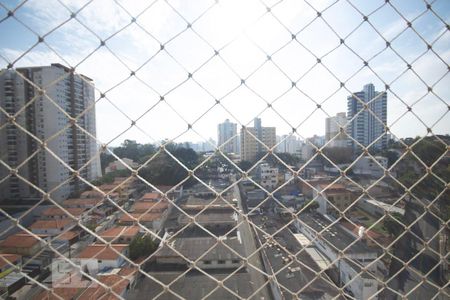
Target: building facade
[(333, 130), (74, 94), (367, 125), (227, 138), (253, 138)]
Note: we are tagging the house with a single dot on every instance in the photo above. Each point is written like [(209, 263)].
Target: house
[(115, 282), (149, 207), (98, 257), (21, 243), (56, 213), (120, 234), (151, 197), (7, 261), (85, 203), (149, 220), (121, 165), (267, 176), (51, 227), (334, 198)]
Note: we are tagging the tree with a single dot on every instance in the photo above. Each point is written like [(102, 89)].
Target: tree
[(339, 155), (142, 246), (392, 225), (163, 169), (310, 206)]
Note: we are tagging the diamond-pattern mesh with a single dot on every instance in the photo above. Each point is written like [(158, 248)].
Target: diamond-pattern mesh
[(268, 252)]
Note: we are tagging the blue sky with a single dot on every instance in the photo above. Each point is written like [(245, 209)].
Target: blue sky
[(244, 33)]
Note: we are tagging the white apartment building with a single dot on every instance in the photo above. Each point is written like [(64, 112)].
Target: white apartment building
[(73, 93), (227, 138), (289, 144), (333, 130), (368, 126), (267, 176), (254, 138)]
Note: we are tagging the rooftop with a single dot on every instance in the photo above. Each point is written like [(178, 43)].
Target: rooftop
[(116, 282), (335, 235), (8, 259), (153, 196), (51, 224), (56, 211), (293, 276), (101, 251), (194, 247), (145, 206), (120, 231), (19, 240), (82, 201), (142, 217)]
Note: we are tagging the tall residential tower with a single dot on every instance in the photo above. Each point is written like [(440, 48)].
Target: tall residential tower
[(254, 138), (368, 125), (333, 130), (227, 137), (42, 119)]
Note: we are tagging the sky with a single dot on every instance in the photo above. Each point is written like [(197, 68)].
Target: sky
[(241, 57)]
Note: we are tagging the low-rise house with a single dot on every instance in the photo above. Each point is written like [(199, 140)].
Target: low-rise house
[(56, 213), (149, 207), (98, 257), (51, 227), (21, 243), (333, 198), (151, 197), (149, 220), (120, 234), (115, 282), (85, 203), (120, 165), (8, 261)]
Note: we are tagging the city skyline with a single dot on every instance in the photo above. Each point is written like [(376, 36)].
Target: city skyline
[(241, 56)]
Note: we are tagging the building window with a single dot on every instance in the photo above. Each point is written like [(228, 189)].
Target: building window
[(207, 262), (221, 262)]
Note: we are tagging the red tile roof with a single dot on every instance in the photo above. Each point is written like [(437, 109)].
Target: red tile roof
[(19, 240), (151, 207), (116, 282), (120, 231), (151, 196), (148, 217), (56, 211), (102, 251), (8, 259), (51, 224), (81, 202)]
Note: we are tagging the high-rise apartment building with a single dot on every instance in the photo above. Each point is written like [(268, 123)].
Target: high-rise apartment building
[(368, 124), (289, 144), (227, 137), (253, 138), (333, 130), (20, 94)]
